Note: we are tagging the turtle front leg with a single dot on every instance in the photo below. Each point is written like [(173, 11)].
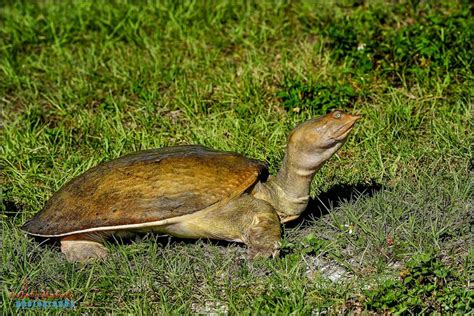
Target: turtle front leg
[(83, 248), (263, 234), (244, 219)]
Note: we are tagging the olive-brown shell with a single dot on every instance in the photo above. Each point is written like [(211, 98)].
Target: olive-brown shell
[(146, 186)]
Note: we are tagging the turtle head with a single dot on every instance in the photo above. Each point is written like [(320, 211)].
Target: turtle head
[(310, 144), (313, 142)]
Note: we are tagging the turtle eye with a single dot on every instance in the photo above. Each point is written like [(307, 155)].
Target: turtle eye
[(337, 114)]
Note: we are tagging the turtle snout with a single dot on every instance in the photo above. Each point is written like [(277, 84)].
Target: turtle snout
[(355, 118)]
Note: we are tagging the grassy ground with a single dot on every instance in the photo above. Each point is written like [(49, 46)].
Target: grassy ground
[(390, 225)]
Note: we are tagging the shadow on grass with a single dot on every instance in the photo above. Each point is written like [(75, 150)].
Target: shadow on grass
[(332, 198), (9, 208)]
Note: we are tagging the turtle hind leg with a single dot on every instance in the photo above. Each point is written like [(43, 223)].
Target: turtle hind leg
[(83, 248), (263, 235)]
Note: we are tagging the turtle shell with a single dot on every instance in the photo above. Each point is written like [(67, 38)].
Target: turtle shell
[(145, 187)]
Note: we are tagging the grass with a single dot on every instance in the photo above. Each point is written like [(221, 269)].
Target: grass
[(82, 83)]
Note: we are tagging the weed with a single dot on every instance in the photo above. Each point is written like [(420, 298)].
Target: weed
[(426, 285), (318, 97)]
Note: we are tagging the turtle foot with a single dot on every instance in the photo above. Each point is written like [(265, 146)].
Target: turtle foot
[(83, 250), (263, 236)]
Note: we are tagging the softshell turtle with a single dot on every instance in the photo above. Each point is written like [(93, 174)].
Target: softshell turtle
[(191, 192)]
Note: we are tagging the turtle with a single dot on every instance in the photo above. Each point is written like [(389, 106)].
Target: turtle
[(191, 191)]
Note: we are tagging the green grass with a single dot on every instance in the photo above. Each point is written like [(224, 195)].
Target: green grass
[(82, 83)]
